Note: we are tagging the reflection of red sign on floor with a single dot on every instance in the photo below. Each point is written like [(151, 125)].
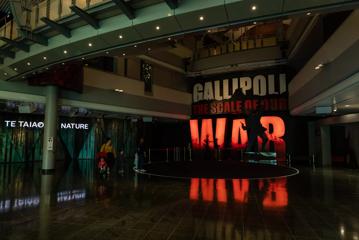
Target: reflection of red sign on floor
[(275, 131), (276, 195)]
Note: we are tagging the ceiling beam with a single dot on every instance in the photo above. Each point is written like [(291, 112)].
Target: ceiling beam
[(125, 8), (173, 4), (37, 38), (7, 53), (85, 16), (57, 27), (19, 45)]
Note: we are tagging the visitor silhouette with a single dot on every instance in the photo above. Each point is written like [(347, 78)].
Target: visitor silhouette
[(254, 129)]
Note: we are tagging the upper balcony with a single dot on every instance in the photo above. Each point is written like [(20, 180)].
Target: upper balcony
[(45, 33)]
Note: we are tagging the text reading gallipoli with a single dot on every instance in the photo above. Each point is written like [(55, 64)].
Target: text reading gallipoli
[(237, 94), (31, 124)]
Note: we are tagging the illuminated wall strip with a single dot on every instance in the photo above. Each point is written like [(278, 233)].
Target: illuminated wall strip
[(220, 131)]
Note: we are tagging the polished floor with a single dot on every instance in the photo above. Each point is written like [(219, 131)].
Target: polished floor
[(77, 204)]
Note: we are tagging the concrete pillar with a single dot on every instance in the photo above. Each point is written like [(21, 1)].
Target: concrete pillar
[(326, 147), (50, 130), (45, 203)]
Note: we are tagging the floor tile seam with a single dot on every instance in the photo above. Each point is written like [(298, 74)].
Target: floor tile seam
[(177, 225), (201, 222), (157, 222)]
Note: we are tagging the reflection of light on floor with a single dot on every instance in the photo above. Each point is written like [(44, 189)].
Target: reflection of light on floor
[(19, 203), (34, 201), (66, 196), (276, 195), (240, 190)]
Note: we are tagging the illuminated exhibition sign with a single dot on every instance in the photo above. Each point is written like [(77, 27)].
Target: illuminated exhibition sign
[(34, 124), (226, 107), (238, 94)]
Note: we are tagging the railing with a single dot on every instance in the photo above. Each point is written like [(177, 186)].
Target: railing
[(237, 46), (52, 9)]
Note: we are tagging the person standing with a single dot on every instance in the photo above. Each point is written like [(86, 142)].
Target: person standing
[(255, 129), (108, 149), (141, 154)]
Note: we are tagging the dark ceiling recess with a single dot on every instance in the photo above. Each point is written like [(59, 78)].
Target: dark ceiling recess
[(19, 45), (173, 4), (57, 27), (125, 8), (86, 17), (332, 21)]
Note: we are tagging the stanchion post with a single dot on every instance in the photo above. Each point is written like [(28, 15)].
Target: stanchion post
[(289, 160), (166, 154), (190, 154), (149, 156), (184, 154), (174, 154), (313, 161)]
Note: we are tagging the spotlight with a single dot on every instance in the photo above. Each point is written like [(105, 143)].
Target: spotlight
[(201, 18), (90, 44), (120, 36), (44, 57), (157, 28), (28, 63), (254, 7), (319, 66), (65, 51)]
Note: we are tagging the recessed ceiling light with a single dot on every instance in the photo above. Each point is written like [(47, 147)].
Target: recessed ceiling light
[(157, 28), (123, 54), (107, 52), (169, 14), (319, 66), (83, 58), (254, 23), (201, 18), (169, 39), (135, 46), (28, 63), (44, 57), (254, 7), (47, 68), (347, 105), (23, 77), (309, 13), (90, 44), (65, 51), (63, 63), (120, 36), (149, 49), (5, 73), (209, 30), (15, 69), (119, 90)]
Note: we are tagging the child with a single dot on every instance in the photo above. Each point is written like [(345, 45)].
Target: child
[(102, 167)]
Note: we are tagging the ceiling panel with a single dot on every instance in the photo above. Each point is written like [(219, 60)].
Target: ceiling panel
[(167, 26), (242, 10), (211, 16), (290, 5), (113, 38)]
